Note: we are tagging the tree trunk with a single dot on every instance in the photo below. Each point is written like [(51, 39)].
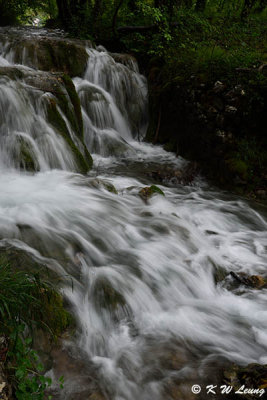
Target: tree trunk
[(70, 11), (63, 12), (114, 20), (97, 10)]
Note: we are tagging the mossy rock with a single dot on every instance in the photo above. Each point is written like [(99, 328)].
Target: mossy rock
[(11, 72), (75, 100), (54, 314), (105, 184), (26, 157), (52, 54), (83, 161), (106, 296), (63, 89), (21, 260), (148, 191)]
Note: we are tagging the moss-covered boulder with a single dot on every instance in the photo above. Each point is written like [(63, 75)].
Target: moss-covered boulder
[(105, 296), (148, 191), (54, 54), (106, 185)]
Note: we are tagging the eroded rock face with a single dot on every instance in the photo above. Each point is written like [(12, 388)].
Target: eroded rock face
[(46, 104), (45, 52)]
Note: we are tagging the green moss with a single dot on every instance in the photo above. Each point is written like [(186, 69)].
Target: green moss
[(54, 118), (156, 189), (54, 315), (110, 188), (88, 157), (49, 311), (148, 192), (105, 184), (106, 296), (27, 161), (75, 100), (55, 55)]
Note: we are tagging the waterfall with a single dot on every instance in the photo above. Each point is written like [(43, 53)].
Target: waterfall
[(147, 282), (114, 102)]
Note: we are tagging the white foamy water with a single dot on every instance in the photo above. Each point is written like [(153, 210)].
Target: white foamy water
[(140, 277)]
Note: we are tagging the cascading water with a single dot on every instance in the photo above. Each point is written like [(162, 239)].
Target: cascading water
[(140, 277), (114, 100)]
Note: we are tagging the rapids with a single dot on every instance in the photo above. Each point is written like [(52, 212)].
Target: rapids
[(140, 279)]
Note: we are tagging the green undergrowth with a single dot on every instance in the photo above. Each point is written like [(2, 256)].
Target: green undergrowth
[(27, 304), (210, 46)]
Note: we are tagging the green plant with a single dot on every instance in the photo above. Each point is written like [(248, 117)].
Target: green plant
[(26, 303), (27, 375)]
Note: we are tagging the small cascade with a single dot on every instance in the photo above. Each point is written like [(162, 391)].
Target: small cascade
[(114, 101), (27, 140)]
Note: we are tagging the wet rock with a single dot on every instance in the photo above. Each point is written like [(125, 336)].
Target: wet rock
[(182, 176), (219, 274), (180, 391), (78, 373), (252, 376), (219, 87), (147, 192), (98, 183), (126, 59), (254, 281), (52, 54), (106, 296)]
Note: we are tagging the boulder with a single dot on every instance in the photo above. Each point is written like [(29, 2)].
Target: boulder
[(54, 54), (148, 191)]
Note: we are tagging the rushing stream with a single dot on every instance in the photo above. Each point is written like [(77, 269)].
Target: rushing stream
[(140, 278)]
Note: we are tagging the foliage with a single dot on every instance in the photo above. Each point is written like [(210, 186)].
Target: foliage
[(26, 303), (29, 382), (24, 11), (212, 48)]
